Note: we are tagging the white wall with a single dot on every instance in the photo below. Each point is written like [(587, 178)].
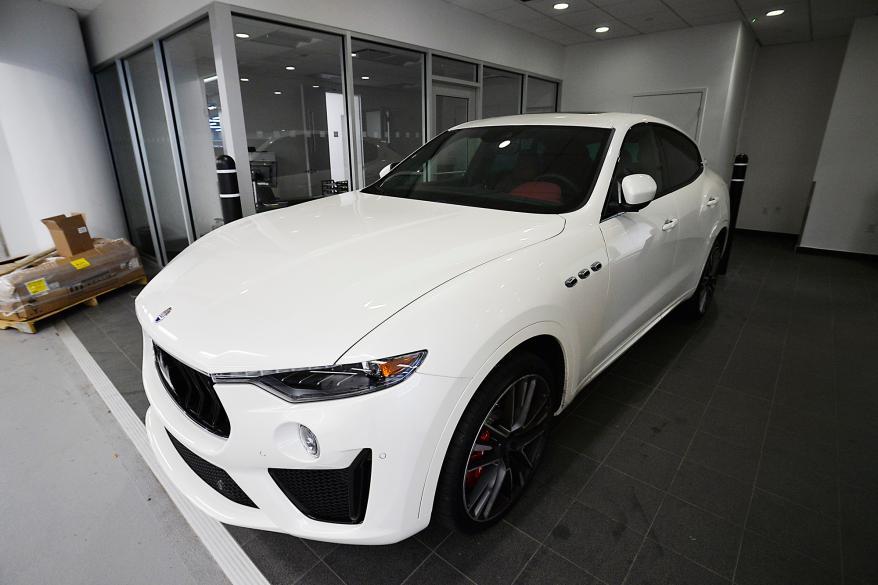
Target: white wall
[(116, 25), (605, 76), (791, 90), (53, 150), (844, 208)]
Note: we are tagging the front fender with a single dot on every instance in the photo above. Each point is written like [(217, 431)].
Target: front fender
[(471, 323)]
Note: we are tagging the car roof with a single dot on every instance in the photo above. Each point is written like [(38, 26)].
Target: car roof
[(595, 120)]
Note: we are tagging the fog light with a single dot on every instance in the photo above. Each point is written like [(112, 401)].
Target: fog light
[(309, 441)]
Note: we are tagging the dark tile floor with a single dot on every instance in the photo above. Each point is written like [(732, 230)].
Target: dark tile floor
[(740, 449)]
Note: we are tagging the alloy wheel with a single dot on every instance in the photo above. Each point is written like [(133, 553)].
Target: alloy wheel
[(507, 448)]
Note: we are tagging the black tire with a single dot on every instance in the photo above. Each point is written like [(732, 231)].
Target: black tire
[(700, 302), (490, 439)]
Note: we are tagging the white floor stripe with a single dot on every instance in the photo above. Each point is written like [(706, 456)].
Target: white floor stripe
[(233, 561)]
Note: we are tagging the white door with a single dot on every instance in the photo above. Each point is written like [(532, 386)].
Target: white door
[(682, 109), (684, 178), (452, 105), (641, 246)]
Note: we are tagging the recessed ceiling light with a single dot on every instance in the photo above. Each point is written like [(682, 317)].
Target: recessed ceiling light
[(561, 6), (365, 78), (353, 54), (602, 29), (290, 68), (242, 35), (278, 92), (315, 86), (777, 12), (504, 144), (245, 79)]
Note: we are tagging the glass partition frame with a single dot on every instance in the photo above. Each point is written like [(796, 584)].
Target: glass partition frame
[(220, 16)]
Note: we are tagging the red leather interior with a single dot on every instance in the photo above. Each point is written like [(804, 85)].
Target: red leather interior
[(539, 190)]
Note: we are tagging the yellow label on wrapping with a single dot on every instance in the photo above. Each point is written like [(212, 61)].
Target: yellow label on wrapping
[(80, 263), (37, 286)]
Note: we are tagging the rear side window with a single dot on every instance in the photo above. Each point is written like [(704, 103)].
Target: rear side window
[(640, 155), (681, 156)]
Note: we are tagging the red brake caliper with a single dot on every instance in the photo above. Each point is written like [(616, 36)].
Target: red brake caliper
[(473, 476)]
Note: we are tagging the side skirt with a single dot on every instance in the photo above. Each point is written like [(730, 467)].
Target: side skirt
[(634, 338)]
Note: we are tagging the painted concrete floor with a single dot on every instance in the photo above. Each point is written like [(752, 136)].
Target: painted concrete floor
[(740, 449), (79, 504)]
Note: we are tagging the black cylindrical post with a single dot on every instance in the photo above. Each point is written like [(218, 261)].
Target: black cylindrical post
[(739, 172), (230, 198)]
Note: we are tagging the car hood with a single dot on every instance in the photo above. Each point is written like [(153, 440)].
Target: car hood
[(296, 287)]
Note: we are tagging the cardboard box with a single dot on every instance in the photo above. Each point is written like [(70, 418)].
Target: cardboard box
[(56, 282), (69, 233)]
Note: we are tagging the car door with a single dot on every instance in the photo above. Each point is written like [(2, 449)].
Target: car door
[(684, 180), (641, 246)]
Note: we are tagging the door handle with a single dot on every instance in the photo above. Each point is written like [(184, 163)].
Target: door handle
[(711, 201), (669, 224)]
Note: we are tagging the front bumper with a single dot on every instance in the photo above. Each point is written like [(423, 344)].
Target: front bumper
[(401, 425)]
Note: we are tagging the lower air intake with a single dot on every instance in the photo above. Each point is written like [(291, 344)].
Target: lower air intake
[(213, 475), (338, 496)]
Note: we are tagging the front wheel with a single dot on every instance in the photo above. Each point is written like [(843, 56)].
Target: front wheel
[(701, 300), (497, 446)]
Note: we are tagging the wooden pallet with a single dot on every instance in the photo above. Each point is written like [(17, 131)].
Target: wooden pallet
[(29, 326)]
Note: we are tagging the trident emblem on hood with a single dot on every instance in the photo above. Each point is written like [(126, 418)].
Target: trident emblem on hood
[(160, 317)]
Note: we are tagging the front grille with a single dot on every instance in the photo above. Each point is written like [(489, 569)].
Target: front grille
[(329, 495), (193, 392), (213, 475)]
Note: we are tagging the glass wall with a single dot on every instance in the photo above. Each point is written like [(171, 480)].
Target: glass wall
[(303, 105), (454, 69), (294, 110), (388, 105), (124, 153), (502, 93), (195, 96), (158, 151), (542, 96)]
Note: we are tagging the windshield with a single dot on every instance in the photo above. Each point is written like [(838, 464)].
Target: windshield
[(536, 169)]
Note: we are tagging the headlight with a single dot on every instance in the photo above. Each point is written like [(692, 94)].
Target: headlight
[(310, 384)]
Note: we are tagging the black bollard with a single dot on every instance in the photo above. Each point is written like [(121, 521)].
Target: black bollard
[(736, 189), (230, 198)]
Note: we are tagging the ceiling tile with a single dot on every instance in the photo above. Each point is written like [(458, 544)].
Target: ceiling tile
[(649, 23), (617, 30), (833, 9), (594, 17), (760, 7), (565, 36), (830, 28), (514, 14), (792, 26), (540, 24), (605, 3), (547, 6), (705, 18), (704, 9), (483, 6), (635, 7)]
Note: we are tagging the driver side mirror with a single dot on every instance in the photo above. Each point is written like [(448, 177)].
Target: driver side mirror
[(637, 191), (387, 169)]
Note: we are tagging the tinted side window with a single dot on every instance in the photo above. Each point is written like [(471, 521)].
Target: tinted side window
[(682, 159), (639, 155)]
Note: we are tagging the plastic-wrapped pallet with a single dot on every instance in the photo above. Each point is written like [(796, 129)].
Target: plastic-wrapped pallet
[(54, 282)]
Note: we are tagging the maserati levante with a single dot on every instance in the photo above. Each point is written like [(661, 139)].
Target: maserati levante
[(351, 368)]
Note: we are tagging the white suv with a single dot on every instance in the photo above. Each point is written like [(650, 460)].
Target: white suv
[(348, 368)]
